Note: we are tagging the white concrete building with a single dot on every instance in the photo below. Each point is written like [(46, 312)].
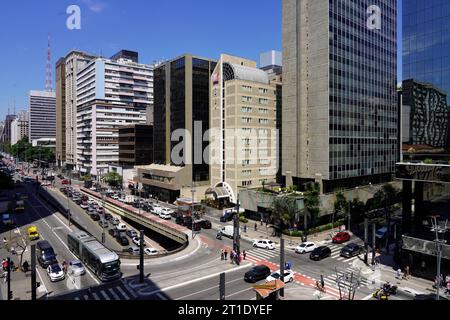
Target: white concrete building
[(19, 127), (110, 94), (42, 113)]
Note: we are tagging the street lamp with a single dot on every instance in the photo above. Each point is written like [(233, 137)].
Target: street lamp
[(103, 220), (192, 209)]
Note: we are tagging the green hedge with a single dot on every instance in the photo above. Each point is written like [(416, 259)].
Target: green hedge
[(314, 230), (243, 219)]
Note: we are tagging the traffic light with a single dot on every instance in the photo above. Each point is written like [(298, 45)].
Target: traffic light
[(10, 295)]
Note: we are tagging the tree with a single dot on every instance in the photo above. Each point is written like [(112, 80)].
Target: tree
[(113, 179), (19, 240), (284, 210), (312, 201), (358, 210), (340, 205)]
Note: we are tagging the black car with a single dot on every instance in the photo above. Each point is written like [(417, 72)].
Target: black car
[(205, 224), (320, 253), (63, 190), (108, 216), (228, 216), (95, 217), (351, 250), (257, 273), (123, 240), (196, 225), (180, 221), (114, 232), (79, 201)]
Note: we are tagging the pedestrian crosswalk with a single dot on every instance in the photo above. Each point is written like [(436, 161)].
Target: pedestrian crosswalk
[(345, 279), (257, 254), (119, 292)]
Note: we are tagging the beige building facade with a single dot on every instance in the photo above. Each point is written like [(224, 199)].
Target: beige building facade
[(243, 135)]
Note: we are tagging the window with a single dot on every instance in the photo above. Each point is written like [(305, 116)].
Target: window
[(246, 183), (246, 120), (246, 109), (246, 99), (262, 90), (263, 111), (247, 88), (263, 101), (263, 121)]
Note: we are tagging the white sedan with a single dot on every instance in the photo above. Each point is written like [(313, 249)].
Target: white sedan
[(165, 215), (137, 241), (121, 227), (288, 276), (150, 251), (84, 205), (264, 244), (305, 247), (55, 272), (76, 268)]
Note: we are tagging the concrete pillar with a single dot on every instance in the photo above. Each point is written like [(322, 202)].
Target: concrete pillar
[(407, 204), (419, 213)]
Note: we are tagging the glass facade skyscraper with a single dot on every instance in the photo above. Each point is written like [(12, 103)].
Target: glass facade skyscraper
[(426, 76)]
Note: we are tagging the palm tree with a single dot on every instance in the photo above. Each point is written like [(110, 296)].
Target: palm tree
[(284, 210)]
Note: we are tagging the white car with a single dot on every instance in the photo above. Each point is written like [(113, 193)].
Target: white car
[(76, 268), (121, 227), (84, 205), (115, 197), (305, 247), (150, 251), (288, 276), (92, 202), (264, 244), (55, 272), (137, 241), (122, 199), (165, 215), (93, 188), (167, 210), (156, 209)]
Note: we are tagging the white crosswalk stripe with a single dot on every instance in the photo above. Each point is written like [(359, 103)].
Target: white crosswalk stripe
[(262, 254), (105, 295), (114, 294), (131, 291), (96, 297), (123, 293), (86, 297)]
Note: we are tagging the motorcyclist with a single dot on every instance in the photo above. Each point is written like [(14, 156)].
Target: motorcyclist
[(219, 235)]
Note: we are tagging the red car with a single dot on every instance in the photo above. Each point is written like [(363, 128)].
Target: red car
[(65, 182), (341, 237)]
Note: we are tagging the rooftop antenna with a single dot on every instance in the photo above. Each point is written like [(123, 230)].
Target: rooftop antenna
[(48, 71)]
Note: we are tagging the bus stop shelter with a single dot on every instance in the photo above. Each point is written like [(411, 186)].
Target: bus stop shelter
[(269, 290)]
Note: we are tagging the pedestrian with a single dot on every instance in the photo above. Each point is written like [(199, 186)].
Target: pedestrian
[(261, 221), (423, 266), (407, 274), (225, 254), (25, 266), (5, 242), (244, 254), (256, 227), (232, 257), (221, 254), (245, 228), (448, 287), (4, 262)]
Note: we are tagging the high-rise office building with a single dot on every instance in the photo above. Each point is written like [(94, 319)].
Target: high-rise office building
[(135, 145), (426, 74), (75, 61), (340, 112), (19, 127), (61, 111), (6, 135), (42, 113), (110, 94), (182, 91), (243, 122)]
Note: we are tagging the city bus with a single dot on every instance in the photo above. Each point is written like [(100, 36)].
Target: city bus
[(104, 263)]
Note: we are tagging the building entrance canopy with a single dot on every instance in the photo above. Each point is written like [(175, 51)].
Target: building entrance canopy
[(218, 192), (437, 173)]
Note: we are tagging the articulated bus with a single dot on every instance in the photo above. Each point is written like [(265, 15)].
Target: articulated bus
[(100, 260)]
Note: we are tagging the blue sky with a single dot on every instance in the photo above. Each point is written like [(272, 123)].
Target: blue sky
[(156, 29)]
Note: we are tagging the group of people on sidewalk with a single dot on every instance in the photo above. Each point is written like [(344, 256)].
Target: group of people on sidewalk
[(234, 257), (443, 283)]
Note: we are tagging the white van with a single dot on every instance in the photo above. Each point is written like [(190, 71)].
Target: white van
[(228, 231)]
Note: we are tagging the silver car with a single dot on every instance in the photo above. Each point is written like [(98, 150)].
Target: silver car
[(76, 268)]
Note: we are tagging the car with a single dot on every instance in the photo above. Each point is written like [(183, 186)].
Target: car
[(122, 199), (134, 250), (92, 202), (305, 247), (205, 224), (95, 216), (257, 273), (132, 233), (123, 240), (115, 197), (165, 215), (288, 276), (156, 209), (167, 211), (64, 182), (60, 176), (137, 241), (76, 268), (93, 188), (121, 227), (63, 190), (114, 221), (84, 205), (78, 201), (264, 244), (150, 251), (100, 210), (103, 223), (90, 210), (341, 237), (55, 272), (114, 232), (108, 216), (227, 216), (320, 253), (196, 226), (351, 250)]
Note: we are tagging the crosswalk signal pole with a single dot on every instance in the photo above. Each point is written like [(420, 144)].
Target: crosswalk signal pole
[(282, 263), (236, 242), (366, 240), (9, 280), (222, 286), (141, 258), (33, 272)]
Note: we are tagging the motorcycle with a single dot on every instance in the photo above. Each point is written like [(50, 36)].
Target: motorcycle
[(380, 294), (389, 289)]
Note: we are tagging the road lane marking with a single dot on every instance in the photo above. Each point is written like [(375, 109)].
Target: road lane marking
[(196, 280), (239, 292), (207, 289), (44, 287), (131, 291), (114, 294), (123, 293), (54, 214), (105, 295)]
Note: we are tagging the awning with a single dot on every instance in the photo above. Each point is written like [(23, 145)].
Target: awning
[(218, 192), (264, 290)]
